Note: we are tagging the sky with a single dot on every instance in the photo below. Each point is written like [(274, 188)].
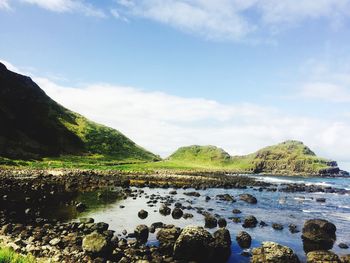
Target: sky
[(238, 74)]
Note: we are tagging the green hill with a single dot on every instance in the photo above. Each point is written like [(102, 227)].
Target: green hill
[(34, 126), (289, 157)]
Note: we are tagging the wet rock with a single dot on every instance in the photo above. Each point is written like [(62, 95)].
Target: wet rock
[(248, 198), (173, 192), (236, 211), (54, 242), (80, 207), (318, 234), (244, 240), (343, 246), (222, 222), (236, 220), (250, 222), (100, 227), (95, 243), (141, 233), (225, 197), (210, 221), (193, 244), (207, 198), (164, 210), (177, 213), (277, 226), (167, 238), (187, 215), (86, 220), (221, 245), (322, 256), (195, 194), (321, 200), (271, 252), (142, 214), (293, 228)]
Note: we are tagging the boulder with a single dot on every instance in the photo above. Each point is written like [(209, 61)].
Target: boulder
[(95, 243), (318, 234), (322, 256), (271, 252), (221, 245), (210, 221), (222, 222), (244, 240), (193, 244), (142, 214), (164, 210), (248, 198), (177, 213), (167, 238), (141, 233), (250, 222)]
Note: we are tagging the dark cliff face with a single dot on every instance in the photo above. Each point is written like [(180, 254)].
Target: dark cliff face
[(29, 120)]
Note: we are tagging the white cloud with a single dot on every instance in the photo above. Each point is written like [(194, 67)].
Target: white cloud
[(73, 6), (115, 13), (325, 91), (4, 4), (236, 19)]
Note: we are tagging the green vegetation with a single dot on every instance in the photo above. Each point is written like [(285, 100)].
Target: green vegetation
[(7, 255)]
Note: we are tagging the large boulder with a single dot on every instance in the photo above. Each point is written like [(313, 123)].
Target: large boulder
[(322, 256), (318, 234), (271, 252), (95, 243), (193, 244), (141, 233), (167, 238), (221, 245), (244, 240), (177, 213), (248, 198)]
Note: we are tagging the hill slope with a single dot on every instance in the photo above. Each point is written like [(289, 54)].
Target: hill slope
[(289, 157), (33, 125)]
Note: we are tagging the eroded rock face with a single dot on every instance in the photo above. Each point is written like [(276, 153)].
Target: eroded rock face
[(322, 256), (318, 234), (271, 252), (95, 243), (193, 244)]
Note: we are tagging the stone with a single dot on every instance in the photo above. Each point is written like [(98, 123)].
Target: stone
[(177, 213), (271, 252), (142, 214), (277, 226), (141, 233), (318, 234), (55, 241), (248, 198), (167, 238), (321, 256), (210, 221), (221, 245), (244, 240), (250, 222), (94, 243), (164, 210), (222, 222)]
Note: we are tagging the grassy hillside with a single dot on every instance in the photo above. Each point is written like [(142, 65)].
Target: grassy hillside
[(35, 126)]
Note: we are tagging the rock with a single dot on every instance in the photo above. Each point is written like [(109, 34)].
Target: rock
[(293, 228), (164, 210), (221, 245), (210, 221), (277, 226), (250, 222), (101, 227), (195, 194), (86, 220), (318, 234), (142, 214), (345, 259), (226, 197), (343, 246), (173, 192), (320, 256), (244, 240), (222, 222), (193, 244), (271, 252), (177, 213), (141, 233), (236, 211), (167, 238), (80, 207), (207, 198), (55, 241), (94, 243), (321, 200), (236, 220), (248, 198), (187, 215)]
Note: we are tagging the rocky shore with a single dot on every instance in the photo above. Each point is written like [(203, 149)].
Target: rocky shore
[(27, 229)]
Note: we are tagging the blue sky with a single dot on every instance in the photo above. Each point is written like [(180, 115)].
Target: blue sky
[(238, 74)]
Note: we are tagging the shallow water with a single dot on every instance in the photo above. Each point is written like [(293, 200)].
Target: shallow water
[(272, 207)]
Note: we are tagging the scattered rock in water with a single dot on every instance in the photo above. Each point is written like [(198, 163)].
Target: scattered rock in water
[(210, 221), (173, 192), (164, 210), (250, 222), (225, 197), (195, 194), (207, 198), (321, 200), (271, 252), (222, 222), (94, 243), (343, 246), (193, 244), (187, 215), (141, 233), (167, 238), (248, 198), (262, 224), (236, 220), (236, 211), (177, 213), (293, 228), (143, 214), (221, 245), (244, 240), (322, 256), (277, 226), (86, 220), (318, 234)]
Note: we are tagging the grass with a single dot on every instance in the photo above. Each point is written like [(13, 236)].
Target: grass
[(7, 255)]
